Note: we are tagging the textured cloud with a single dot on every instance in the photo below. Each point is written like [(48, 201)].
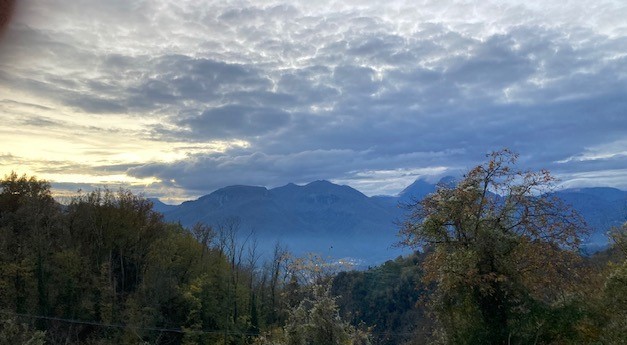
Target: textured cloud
[(273, 170), (216, 93)]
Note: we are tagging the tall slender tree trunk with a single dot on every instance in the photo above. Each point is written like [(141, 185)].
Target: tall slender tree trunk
[(42, 292)]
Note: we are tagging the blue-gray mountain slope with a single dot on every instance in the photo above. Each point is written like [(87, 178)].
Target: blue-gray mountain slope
[(339, 221), (336, 221)]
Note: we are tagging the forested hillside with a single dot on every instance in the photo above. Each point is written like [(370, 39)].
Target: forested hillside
[(107, 269)]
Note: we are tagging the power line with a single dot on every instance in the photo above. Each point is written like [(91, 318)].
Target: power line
[(123, 326), (164, 330)]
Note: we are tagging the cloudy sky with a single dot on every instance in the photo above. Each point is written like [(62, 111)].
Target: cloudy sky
[(179, 98)]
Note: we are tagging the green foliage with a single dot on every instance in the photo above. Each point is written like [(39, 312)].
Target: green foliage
[(387, 298), (619, 236), (12, 333), (107, 269), (316, 321), (29, 228), (615, 299), (498, 254), (614, 295)]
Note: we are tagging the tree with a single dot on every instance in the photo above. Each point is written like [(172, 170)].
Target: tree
[(500, 251), (386, 298), (13, 332), (28, 230), (274, 269), (615, 293), (204, 234), (108, 258), (317, 321)]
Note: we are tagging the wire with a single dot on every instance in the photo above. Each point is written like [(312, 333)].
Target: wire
[(122, 326), (165, 330)]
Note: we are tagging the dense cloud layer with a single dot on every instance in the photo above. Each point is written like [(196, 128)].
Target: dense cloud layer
[(364, 92)]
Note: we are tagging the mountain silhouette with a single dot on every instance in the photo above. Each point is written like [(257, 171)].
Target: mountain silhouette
[(338, 221)]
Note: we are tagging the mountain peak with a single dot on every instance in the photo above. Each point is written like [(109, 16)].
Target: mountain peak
[(160, 206), (321, 183), (325, 186), (417, 190), (448, 181), (421, 188)]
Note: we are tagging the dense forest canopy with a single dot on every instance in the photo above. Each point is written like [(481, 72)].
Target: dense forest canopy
[(497, 264)]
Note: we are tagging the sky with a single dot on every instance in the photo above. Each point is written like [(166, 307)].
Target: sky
[(179, 98)]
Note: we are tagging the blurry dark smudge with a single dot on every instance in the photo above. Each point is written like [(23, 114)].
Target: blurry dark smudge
[(6, 11)]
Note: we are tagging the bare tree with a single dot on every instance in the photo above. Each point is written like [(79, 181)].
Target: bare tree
[(204, 234)]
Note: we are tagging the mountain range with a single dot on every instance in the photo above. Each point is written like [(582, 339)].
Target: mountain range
[(339, 222)]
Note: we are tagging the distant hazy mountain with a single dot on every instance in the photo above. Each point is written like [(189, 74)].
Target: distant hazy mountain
[(416, 191), (159, 206), (421, 188), (601, 207), (336, 221), (341, 222)]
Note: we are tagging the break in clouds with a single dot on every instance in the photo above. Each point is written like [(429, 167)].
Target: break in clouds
[(367, 93)]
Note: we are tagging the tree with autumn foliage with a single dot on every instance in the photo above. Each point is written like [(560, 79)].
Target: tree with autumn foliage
[(614, 292), (106, 269), (501, 254)]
